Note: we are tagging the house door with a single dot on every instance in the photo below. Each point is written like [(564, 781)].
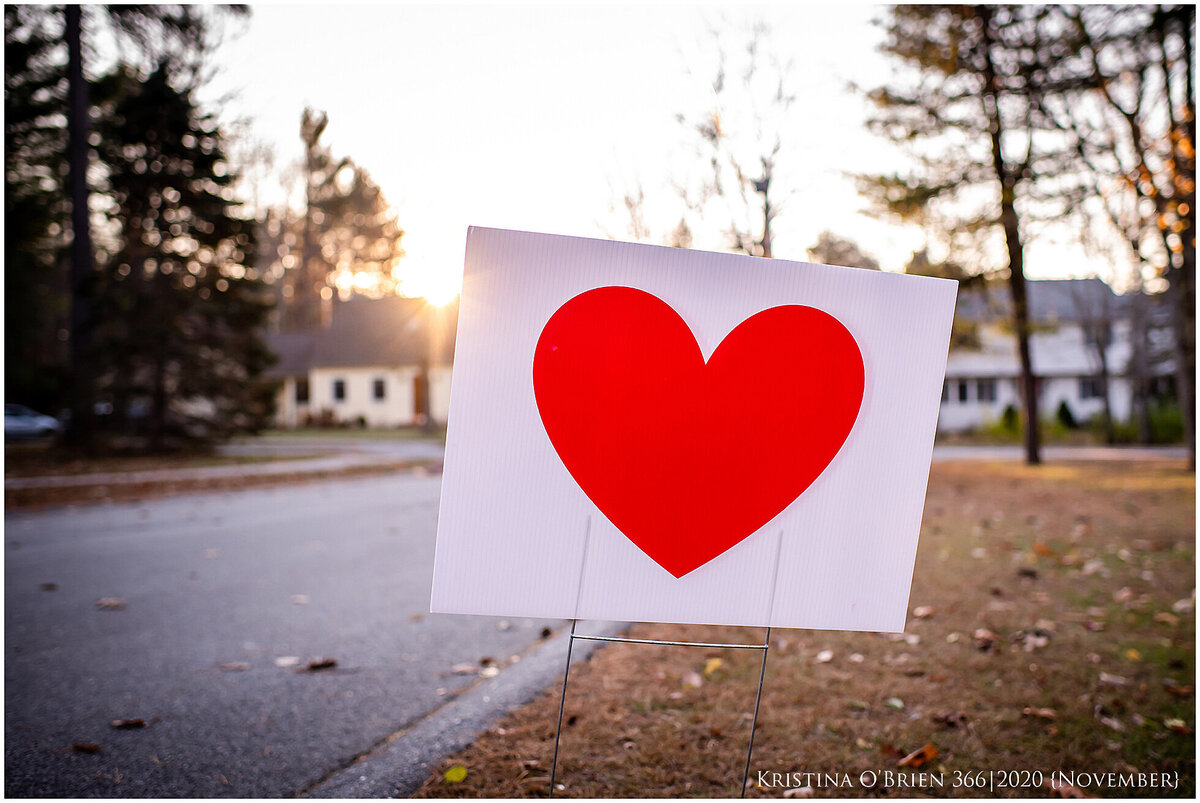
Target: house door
[(421, 399)]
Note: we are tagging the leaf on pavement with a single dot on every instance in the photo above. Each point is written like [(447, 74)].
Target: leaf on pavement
[(456, 774), (319, 664), (110, 604), (285, 661), (86, 747), (234, 666), (128, 724)]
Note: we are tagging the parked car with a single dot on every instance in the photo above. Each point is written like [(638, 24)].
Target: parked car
[(21, 422)]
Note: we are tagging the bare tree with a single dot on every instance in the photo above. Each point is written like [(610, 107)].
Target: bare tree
[(740, 136)]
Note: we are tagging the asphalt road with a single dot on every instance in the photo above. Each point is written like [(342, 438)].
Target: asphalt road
[(331, 570)]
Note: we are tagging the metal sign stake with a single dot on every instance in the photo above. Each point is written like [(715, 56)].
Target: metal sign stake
[(764, 647)]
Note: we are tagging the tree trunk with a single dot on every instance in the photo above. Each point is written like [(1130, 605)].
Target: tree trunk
[(1012, 236), (80, 430), (1110, 435)]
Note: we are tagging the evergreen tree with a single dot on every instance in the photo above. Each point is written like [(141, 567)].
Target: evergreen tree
[(35, 211), (180, 307), (962, 108), (346, 237)]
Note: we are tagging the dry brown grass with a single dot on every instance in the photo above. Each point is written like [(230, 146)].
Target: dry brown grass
[(1075, 570)]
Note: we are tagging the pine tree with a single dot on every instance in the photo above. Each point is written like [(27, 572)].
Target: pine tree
[(962, 108), (35, 209), (346, 238), (180, 307)]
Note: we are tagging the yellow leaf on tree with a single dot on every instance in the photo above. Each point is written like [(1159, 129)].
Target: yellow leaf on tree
[(456, 774)]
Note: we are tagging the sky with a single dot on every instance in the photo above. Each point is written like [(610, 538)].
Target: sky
[(541, 118)]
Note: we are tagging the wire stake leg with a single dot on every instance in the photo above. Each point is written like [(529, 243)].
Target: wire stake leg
[(562, 699), (762, 672)]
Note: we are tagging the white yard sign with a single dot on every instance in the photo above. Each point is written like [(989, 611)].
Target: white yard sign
[(640, 433)]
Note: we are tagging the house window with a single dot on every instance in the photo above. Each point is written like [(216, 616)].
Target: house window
[(339, 390), (985, 390), (379, 390), (1090, 387), (962, 392), (302, 391)]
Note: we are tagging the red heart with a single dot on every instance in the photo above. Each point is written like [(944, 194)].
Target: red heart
[(685, 458)]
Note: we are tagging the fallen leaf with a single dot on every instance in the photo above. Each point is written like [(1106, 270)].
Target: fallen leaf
[(1112, 680), (1041, 713), (1178, 690), (285, 661), (1123, 594), (894, 702), (800, 791), (858, 705), (464, 669), (924, 611), (1044, 551), (1166, 618), (985, 639), (862, 743), (319, 664), (110, 604), (456, 774), (693, 679), (712, 665), (824, 656), (48, 586), (234, 666), (1183, 605), (86, 747), (128, 724), (856, 658), (919, 757), (503, 624), (1177, 725), (489, 671), (1133, 655), (1113, 723)]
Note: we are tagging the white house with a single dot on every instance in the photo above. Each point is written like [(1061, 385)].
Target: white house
[(1072, 320), (381, 363)]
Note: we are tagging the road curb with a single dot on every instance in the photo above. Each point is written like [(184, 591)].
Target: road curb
[(399, 767)]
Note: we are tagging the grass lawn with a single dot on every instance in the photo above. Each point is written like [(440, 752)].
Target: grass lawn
[(394, 434), (1051, 628), (42, 459)]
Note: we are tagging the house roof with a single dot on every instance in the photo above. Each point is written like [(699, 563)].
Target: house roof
[(293, 351), (389, 331), (1050, 301)]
